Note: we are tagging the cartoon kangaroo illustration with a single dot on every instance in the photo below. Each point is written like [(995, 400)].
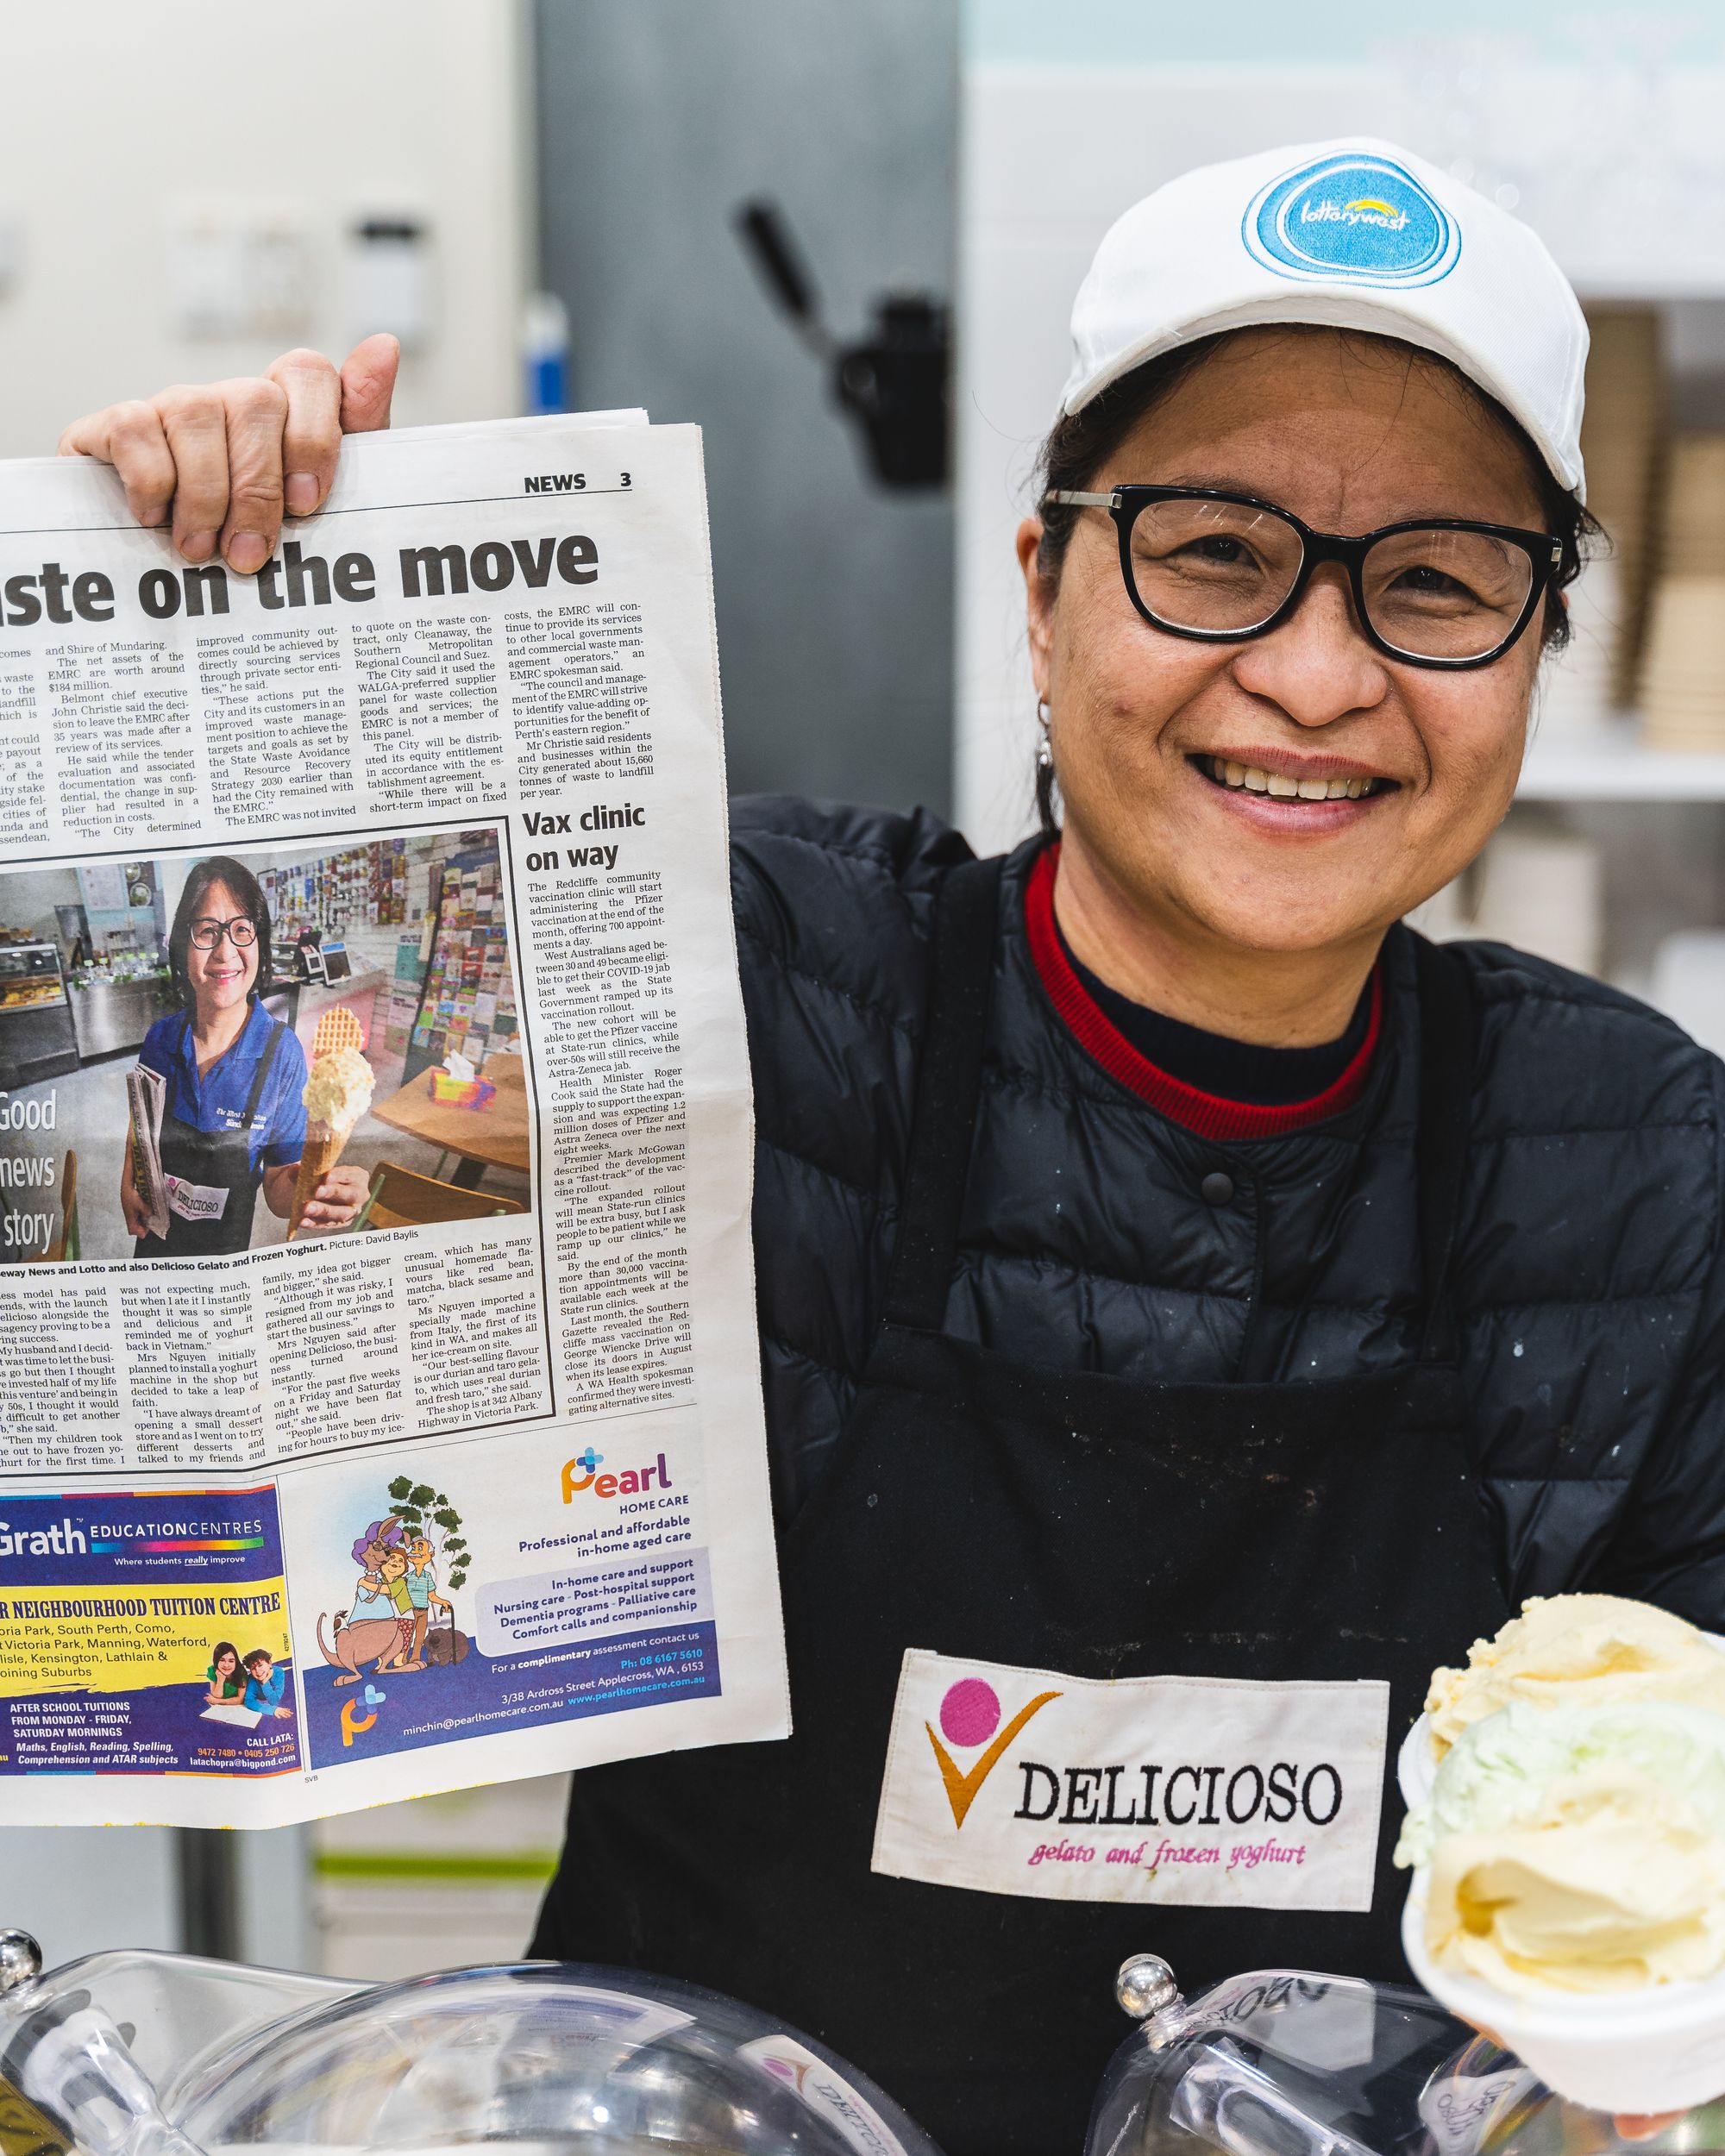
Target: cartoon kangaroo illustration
[(367, 1640)]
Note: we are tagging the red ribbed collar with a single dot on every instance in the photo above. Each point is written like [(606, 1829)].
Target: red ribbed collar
[(1204, 1113)]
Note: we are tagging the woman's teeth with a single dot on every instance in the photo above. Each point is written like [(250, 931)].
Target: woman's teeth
[(1279, 784)]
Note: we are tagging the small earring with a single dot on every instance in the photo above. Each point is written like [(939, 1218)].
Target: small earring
[(1044, 753)]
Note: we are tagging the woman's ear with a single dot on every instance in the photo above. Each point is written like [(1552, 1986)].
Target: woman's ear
[(1039, 594)]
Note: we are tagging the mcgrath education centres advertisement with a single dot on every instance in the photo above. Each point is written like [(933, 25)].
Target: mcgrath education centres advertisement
[(145, 1633), (433, 1595)]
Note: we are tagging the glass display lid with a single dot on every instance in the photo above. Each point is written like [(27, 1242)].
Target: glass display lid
[(1287, 2062), (132, 2053)]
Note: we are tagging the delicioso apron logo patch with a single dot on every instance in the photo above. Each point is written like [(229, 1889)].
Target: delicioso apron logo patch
[(1205, 1790), (196, 1201)]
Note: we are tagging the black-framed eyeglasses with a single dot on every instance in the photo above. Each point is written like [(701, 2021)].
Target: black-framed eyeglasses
[(1221, 567), (241, 932)]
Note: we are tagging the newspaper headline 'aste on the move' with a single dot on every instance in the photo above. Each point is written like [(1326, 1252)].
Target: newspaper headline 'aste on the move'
[(382, 1406)]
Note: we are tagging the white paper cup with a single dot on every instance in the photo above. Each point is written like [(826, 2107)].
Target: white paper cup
[(1661, 2049)]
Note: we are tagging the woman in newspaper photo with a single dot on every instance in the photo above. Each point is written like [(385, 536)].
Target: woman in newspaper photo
[(233, 1119), (1190, 1300)]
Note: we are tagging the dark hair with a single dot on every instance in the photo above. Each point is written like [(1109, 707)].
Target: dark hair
[(1080, 444), (222, 1647), (257, 1655), (245, 886)]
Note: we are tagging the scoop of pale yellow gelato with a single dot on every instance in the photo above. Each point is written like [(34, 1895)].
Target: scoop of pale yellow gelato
[(1609, 1883), (338, 1089), (1577, 1651)]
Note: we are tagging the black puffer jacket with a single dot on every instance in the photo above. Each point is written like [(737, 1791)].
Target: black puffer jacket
[(1588, 1275)]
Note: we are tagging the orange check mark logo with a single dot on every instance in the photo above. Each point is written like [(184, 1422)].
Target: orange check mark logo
[(963, 1786)]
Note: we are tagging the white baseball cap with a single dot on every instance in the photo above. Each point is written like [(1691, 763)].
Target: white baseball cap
[(1356, 234)]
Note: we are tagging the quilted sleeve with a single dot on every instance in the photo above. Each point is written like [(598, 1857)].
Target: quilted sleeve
[(833, 908), (1669, 1544)]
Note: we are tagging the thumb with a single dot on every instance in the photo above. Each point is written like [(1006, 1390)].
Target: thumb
[(368, 383)]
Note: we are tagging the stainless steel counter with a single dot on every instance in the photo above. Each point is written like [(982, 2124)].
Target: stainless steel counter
[(116, 1014)]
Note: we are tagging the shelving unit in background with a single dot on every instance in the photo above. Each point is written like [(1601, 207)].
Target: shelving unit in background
[(1654, 819), (1614, 764)]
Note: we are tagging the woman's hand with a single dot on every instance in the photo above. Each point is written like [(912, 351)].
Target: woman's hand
[(335, 1200), (222, 458), (332, 1205), (137, 1212), (1629, 2126)]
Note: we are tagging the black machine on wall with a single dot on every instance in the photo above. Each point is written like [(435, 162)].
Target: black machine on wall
[(892, 383)]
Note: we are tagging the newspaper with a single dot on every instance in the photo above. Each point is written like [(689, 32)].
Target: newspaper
[(145, 1094), (402, 863)]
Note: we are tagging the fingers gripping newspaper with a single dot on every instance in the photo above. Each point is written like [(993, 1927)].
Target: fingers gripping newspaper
[(382, 1409)]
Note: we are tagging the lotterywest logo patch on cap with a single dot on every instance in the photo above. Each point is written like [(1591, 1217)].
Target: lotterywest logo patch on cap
[(1353, 217)]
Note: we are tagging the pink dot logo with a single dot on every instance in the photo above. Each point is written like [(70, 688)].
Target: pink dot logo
[(971, 1713)]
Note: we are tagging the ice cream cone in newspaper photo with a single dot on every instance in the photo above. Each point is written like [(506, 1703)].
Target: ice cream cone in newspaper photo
[(338, 1091), (324, 1145)]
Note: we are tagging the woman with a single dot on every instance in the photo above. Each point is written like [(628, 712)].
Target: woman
[(1192, 1306), (233, 1121)]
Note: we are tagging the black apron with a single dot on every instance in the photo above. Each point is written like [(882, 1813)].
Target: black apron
[(1068, 1522), (214, 1160)]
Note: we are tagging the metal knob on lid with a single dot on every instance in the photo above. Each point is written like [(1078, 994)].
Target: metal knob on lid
[(1145, 1986), (20, 1960)]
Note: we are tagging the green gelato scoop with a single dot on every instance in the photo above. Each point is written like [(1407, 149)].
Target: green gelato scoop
[(1500, 1772)]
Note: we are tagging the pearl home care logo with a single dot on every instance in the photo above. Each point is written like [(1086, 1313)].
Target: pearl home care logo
[(970, 1716), (1355, 218), (582, 1473), (356, 1720)]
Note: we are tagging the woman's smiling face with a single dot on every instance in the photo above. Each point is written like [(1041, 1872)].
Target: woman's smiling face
[(222, 977), (1349, 433)]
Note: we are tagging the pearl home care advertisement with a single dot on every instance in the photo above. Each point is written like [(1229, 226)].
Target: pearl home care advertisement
[(382, 1410)]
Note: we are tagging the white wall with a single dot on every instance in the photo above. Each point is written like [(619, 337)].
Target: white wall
[(116, 113), (121, 113), (81, 1888)]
